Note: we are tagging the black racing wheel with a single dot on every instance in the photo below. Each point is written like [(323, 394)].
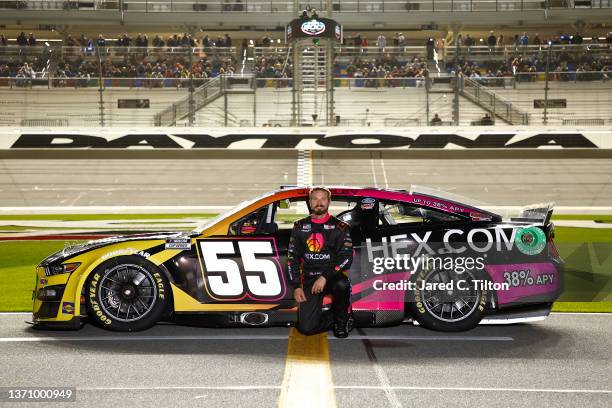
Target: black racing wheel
[(460, 307), (127, 294)]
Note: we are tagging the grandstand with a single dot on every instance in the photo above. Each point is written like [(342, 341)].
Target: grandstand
[(373, 86), (58, 70)]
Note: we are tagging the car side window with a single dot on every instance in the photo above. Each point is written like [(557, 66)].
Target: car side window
[(258, 222), (289, 211), (399, 213)]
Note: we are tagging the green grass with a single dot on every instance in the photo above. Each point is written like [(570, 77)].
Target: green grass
[(583, 307), (18, 261), (581, 217), (17, 228), (121, 218), (580, 235), (587, 283)]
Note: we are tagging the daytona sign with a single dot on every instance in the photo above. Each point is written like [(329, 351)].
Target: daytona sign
[(452, 138)]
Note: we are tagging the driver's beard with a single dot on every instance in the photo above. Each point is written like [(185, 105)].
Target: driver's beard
[(319, 210)]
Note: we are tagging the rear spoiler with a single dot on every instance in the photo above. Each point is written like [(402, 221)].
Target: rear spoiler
[(536, 213)]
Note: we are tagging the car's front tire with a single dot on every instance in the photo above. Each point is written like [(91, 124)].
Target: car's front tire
[(127, 294), (448, 310)]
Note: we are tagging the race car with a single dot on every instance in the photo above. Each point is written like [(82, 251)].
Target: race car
[(419, 255)]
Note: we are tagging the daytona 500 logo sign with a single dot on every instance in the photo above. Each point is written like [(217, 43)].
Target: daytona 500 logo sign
[(313, 27)]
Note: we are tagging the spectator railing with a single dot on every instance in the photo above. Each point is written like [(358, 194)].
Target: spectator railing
[(17, 51), (483, 52), (348, 51), (375, 82), (113, 50), (293, 6), (271, 51), (37, 5), (346, 54), (445, 82), (411, 6), (492, 102), (166, 50), (202, 96), (564, 76), (88, 81)]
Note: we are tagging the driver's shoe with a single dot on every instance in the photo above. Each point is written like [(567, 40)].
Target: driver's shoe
[(342, 328)]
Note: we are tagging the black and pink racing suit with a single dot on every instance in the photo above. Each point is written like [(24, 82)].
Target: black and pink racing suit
[(321, 247)]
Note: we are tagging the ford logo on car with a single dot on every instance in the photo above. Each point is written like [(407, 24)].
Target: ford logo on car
[(313, 27)]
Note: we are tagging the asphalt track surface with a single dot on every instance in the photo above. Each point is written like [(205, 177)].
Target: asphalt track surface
[(564, 361), (225, 179)]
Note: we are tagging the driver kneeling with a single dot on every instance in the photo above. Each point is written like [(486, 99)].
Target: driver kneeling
[(320, 253)]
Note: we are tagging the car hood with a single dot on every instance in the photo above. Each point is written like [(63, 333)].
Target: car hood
[(73, 250)]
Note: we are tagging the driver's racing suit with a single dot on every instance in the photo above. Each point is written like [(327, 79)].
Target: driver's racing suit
[(321, 247)]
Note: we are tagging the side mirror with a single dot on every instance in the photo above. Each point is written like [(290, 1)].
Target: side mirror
[(284, 204)]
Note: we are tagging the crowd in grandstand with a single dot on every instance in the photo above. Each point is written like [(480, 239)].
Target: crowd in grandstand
[(273, 67), (156, 62), (385, 67), (126, 40), (149, 64), (524, 66), (150, 68), (398, 40)]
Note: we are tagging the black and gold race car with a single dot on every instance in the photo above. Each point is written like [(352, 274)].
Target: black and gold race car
[(232, 270)]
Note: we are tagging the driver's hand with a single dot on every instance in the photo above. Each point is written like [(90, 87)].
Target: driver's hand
[(298, 295), (319, 284)]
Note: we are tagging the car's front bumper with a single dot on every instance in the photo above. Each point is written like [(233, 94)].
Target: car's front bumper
[(73, 324), (61, 312)]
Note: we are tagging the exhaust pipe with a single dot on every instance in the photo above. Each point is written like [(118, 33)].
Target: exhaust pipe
[(254, 318)]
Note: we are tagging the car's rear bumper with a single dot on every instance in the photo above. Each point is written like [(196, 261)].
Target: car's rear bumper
[(524, 314)]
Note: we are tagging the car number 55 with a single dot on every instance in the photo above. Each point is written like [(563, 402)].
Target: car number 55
[(235, 269)]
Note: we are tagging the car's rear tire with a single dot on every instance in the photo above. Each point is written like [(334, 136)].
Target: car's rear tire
[(449, 311), (126, 294)]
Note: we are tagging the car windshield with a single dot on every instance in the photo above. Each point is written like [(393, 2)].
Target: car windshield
[(230, 212)]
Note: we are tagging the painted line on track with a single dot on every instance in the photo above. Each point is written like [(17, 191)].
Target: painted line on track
[(186, 387), (307, 381), (114, 209), (478, 389), (552, 313), (583, 313), (352, 387), (383, 379), (244, 337)]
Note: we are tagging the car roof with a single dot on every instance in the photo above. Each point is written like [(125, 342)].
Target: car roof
[(417, 195)]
